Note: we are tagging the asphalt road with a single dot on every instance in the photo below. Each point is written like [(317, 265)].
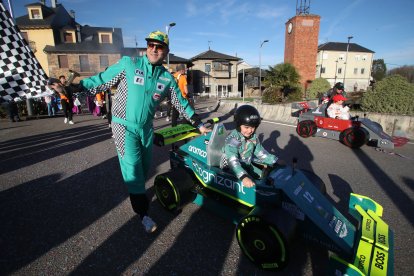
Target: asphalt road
[(64, 209)]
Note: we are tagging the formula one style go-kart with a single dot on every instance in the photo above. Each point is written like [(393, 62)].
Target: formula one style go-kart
[(353, 133), (286, 203)]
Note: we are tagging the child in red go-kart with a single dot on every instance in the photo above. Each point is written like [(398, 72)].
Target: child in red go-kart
[(337, 110), (243, 149)]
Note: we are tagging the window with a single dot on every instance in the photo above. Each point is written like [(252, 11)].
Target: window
[(221, 66), (25, 36), (325, 56), (84, 63), (230, 88), (68, 37), (339, 71), (104, 61), (208, 88), (355, 71), (364, 57), (105, 38), (35, 14), (208, 67), (362, 71), (63, 61), (341, 56), (323, 70), (357, 57)]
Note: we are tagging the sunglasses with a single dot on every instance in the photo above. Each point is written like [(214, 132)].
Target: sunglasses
[(156, 46)]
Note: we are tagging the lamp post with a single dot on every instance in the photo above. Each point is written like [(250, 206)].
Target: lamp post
[(336, 69), (167, 30), (260, 65), (346, 57)]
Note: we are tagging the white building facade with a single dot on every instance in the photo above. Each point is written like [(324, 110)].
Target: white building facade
[(347, 63)]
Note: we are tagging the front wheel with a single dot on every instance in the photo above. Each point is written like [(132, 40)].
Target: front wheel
[(174, 189), (306, 128), (354, 137), (263, 242)]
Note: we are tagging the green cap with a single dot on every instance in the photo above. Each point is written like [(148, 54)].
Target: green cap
[(159, 37)]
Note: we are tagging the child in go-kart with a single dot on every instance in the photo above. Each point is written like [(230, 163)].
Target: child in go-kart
[(242, 147), (337, 110)]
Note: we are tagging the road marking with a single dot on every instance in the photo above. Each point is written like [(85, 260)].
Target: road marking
[(282, 124)]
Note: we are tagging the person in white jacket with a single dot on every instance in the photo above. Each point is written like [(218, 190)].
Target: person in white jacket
[(337, 110)]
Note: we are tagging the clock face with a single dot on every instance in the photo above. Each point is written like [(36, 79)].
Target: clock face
[(290, 27)]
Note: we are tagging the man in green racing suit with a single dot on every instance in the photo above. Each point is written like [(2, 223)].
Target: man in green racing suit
[(142, 83)]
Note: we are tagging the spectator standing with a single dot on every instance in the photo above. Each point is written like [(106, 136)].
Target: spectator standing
[(66, 98), (50, 102), (181, 79)]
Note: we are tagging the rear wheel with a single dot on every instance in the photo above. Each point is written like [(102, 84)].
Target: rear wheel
[(354, 137), (306, 128), (264, 240), (174, 189)]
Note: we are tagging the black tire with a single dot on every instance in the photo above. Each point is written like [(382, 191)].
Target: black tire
[(174, 189), (262, 241), (354, 137), (306, 128)]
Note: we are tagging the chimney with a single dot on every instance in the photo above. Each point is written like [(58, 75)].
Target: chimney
[(72, 13), (78, 32), (54, 3)]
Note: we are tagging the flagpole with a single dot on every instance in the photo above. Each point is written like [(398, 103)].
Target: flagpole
[(10, 8)]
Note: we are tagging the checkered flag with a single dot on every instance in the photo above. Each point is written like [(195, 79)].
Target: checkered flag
[(21, 75)]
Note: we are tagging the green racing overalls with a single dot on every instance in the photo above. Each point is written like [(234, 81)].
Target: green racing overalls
[(141, 87)]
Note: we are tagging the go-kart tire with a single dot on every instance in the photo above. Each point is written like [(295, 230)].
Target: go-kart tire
[(174, 189), (306, 128), (263, 239), (354, 137)]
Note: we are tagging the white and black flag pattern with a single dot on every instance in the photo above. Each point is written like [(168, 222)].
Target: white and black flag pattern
[(21, 74)]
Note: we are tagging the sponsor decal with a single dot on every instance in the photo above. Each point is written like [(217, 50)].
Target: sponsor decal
[(156, 96), (211, 178), (139, 72), (164, 79), (324, 133), (138, 80), (198, 151), (160, 86), (380, 260), (361, 263)]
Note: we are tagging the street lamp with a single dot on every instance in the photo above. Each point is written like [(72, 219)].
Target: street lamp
[(336, 69), (346, 57), (167, 30), (260, 65)]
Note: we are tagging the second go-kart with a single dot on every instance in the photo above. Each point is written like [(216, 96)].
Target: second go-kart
[(285, 203), (353, 133)]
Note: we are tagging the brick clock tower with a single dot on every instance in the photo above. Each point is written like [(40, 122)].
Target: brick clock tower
[(301, 44)]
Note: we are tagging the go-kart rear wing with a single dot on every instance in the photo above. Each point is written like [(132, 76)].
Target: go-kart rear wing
[(368, 248), (170, 135), (374, 250)]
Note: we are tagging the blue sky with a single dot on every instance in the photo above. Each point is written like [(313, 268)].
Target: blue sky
[(236, 27)]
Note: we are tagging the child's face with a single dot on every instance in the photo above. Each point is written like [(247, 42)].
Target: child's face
[(339, 102), (247, 131)]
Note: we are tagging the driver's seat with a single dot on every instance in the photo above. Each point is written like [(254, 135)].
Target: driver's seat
[(215, 145)]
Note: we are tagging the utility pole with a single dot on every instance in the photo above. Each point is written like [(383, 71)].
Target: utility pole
[(260, 65)]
